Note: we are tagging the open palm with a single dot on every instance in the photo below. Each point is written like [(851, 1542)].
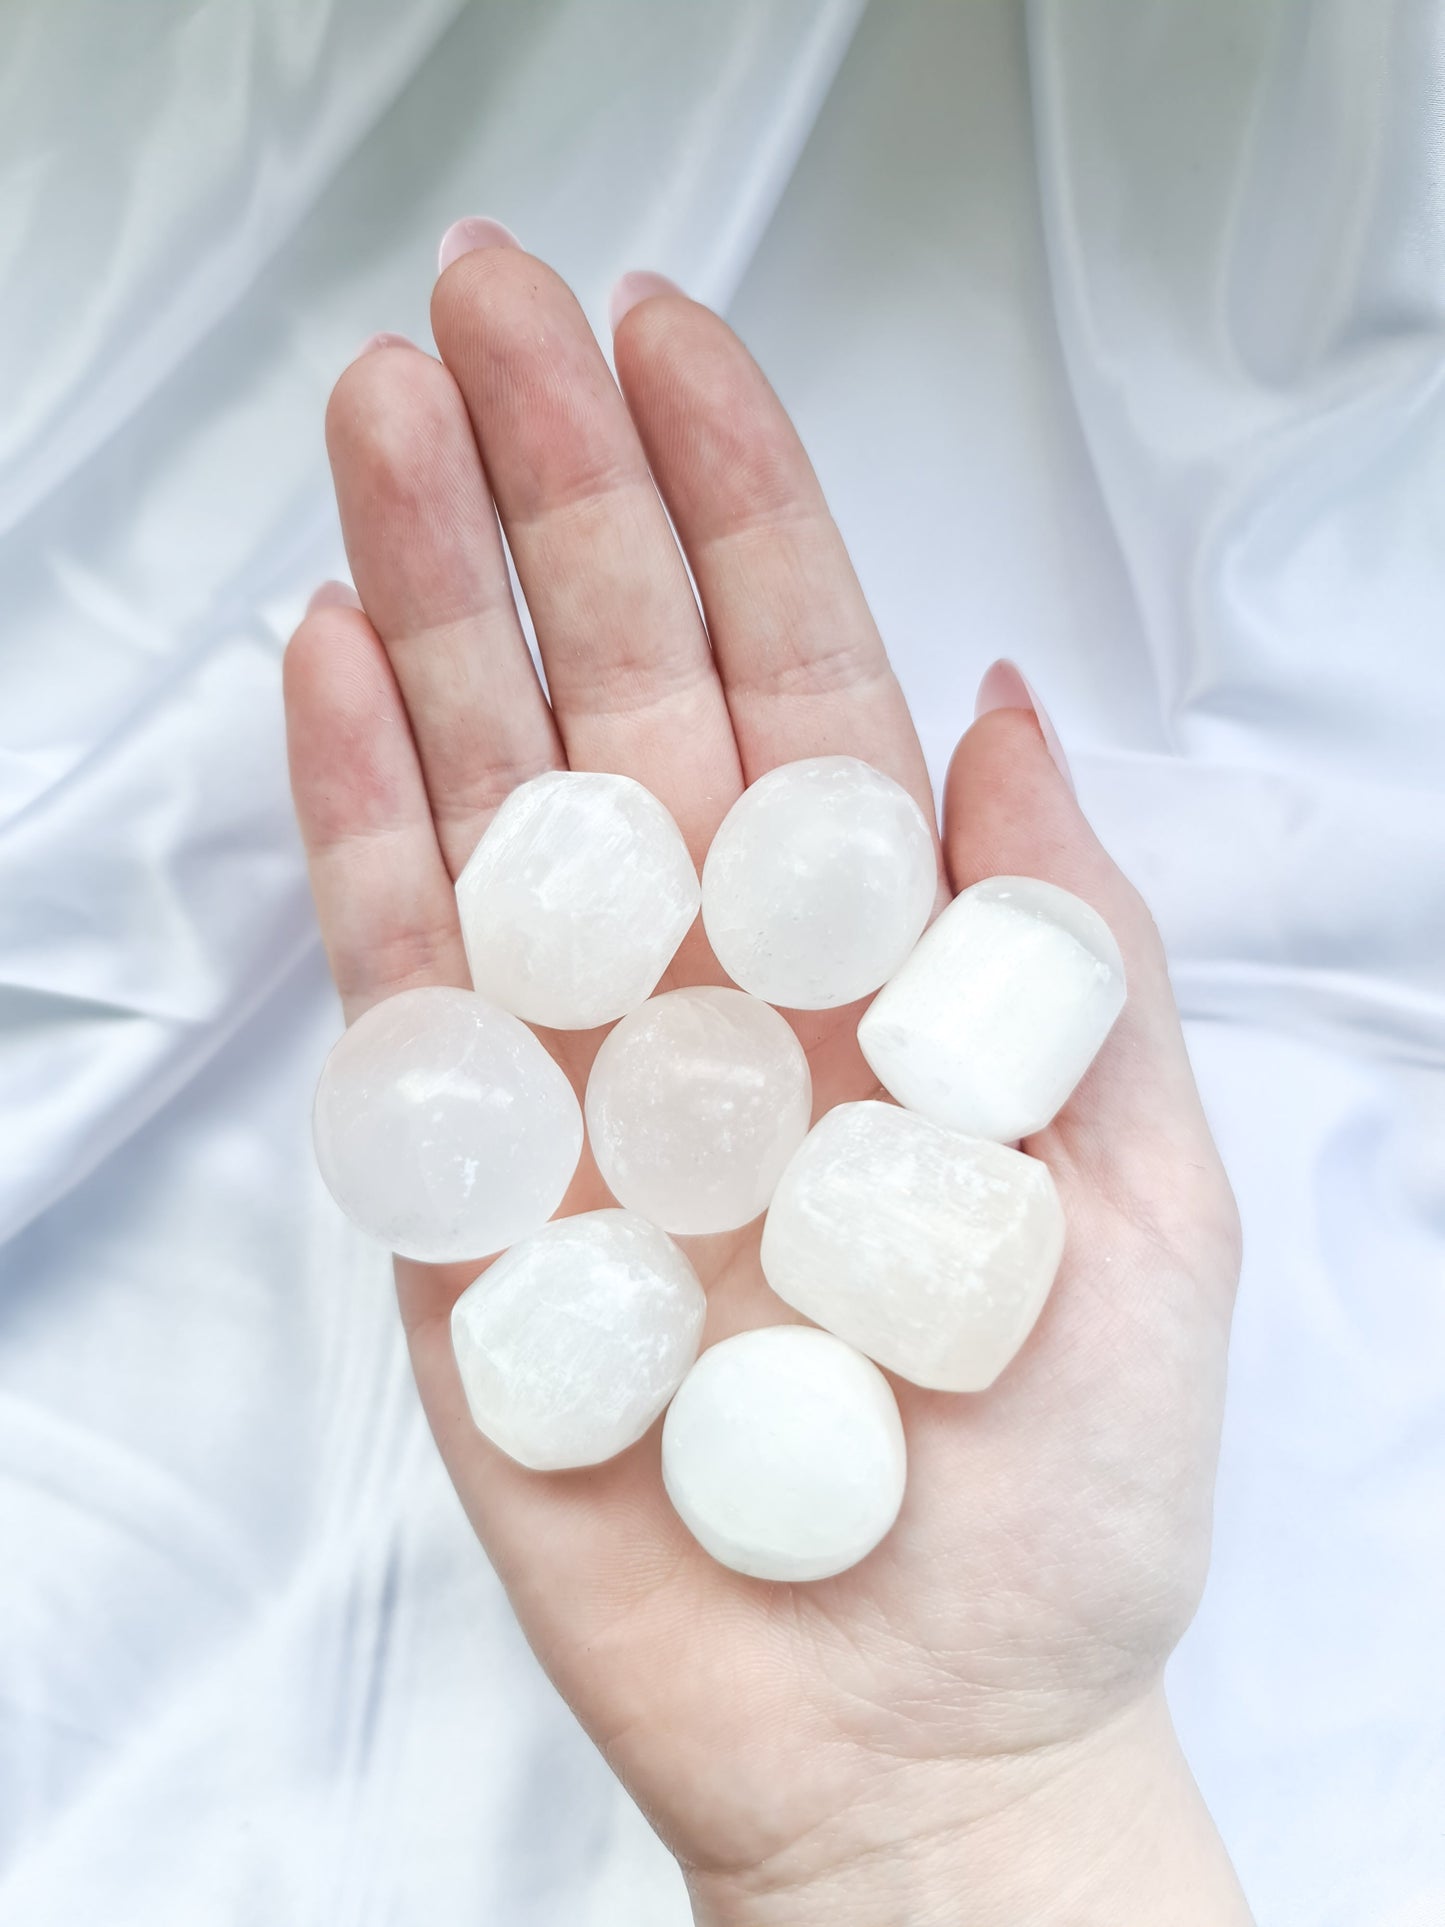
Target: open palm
[(1055, 1533)]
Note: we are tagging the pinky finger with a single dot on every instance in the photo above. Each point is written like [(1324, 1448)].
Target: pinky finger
[(383, 894)]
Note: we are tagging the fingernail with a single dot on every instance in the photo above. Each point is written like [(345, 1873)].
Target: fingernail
[(333, 595), (383, 340), (638, 284), (1005, 686), (472, 231)]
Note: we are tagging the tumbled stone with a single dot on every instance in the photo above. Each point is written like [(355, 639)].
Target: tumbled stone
[(818, 883), (1000, 1010), (574, 1341), (575, 900), (442, 1126), (695, 1103), (930, 1251), (783, 1454)]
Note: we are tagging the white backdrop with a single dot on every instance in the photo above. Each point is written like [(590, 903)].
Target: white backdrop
[(1117, 333)]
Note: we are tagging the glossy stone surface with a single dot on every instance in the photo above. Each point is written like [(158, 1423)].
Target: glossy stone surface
[(1000, 1010), (694, 1105), (573, 1342), (443, 1128), (931, 1252), (818, 883), (575, 900), (783, 1454)]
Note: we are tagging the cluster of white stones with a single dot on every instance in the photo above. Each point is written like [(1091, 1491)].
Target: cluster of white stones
[(913, 1235)]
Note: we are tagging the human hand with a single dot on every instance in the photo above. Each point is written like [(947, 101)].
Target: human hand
[(970, 1724)]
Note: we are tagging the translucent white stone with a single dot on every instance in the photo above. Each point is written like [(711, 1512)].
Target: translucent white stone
[(930, 1251), (575, 900), (818, 883), (695, 1104), (783, 1454), (573, 1342), (443, 1128), (999, 1011)]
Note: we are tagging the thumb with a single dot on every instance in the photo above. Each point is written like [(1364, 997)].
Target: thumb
[(1134, 1129)]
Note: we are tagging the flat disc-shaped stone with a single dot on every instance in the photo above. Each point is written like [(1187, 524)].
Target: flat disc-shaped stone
[(576, 898), (818, 883), (443, 1128), (930, 1251), (574, 1341), (695, 1103), (783, 1454), (1000, 1010)]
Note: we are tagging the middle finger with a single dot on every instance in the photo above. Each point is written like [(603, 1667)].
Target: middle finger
[(630, 673)]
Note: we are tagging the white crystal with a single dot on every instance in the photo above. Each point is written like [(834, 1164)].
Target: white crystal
[(442, 1126), (694, 1105), (931, 1252), (818, 883), (783, 1454), (1000, 1010), (573, 1342), (575, 900)]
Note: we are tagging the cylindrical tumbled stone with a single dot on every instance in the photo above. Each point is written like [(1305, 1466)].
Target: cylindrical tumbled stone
[(930, 1251), (443, 1128), (819, 880), (575, 900), (783, 1454), (999, 1011), (574, 1341), (695, 1103)]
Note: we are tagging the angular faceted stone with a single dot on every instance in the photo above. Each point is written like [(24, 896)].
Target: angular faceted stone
[(999, 1011), (818, 883), (443, 1128), (573, 1342), (783, 1454), (576, 899), (931, 1252), (694, 1105)]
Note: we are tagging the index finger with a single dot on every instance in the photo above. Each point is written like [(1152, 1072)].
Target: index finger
[(801, 660)]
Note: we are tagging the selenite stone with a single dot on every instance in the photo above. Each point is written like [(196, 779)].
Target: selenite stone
[(576, 899), (818, 883), (1000, 1010), (783, 1454), (443, 1128), (573, 1342), (694, 1105), (929, 1251)]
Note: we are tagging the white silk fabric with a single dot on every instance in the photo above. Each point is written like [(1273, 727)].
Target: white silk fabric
[(1117, 335)]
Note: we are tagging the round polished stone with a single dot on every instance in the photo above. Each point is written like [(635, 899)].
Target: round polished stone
[(783, 1454), (1000, 1010), (573, 1342), (575, 900), (695, 1103), (443, 1128), (819, 882), (930, 1251)]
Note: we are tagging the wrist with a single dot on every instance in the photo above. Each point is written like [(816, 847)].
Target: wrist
[(1105, 1831)]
